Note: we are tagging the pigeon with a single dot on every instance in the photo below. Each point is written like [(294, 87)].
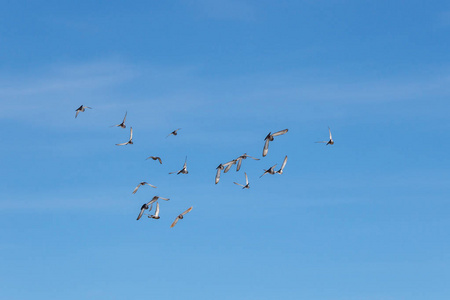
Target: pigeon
[(146, 206), (155, 158), (123, 122), (82, 108), (182, 171), (141, 184), (330, 142), (246, 186), (173, 132), (180, 216), (280, 171), (130, 142), (269, 138), (219, 168), (156, 215), (240, 158), (269, 171)]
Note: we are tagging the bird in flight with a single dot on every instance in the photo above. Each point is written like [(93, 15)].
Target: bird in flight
[(156, 215), (82, 108), (173, 132), (271, 170), (280, 171), (246, 186), (269, 138), (155, 158), (182, 171), (130, 141), (240, 158), (219, 168), (141, 184), (149, 205), (123, 122), (329, 142), (181, 216)]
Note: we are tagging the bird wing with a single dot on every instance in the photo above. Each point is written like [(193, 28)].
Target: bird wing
[(246, 178), (141, 213), (265, 172), (217, 175), (136, 189), (76, 114), (124, 118), (238, 184), (167, 199), (174, 222), (284, 163), (266, 148), (122, 144), (227, 168), (329, 130), (252, 157), (322, 142), (186, 211), (159, 159), (157, 210), (131, 133), (185, 162), (150, 185), (280, 132), (239, 162), (173, 172)]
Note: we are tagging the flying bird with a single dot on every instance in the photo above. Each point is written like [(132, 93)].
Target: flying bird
[(156, 215), (123, 122), (219, 168), (280, 171), (182, 171), (141, 184), (155, 158), (82, 108), (240, 158), (173, 132), (269, 138), (271, 170), (181, 216), (246, 186), (144, 207), (131, 139), (329, 142)]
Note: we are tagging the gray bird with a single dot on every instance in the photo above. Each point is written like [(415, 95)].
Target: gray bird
[(141, 184), (180, 216), (130, 141), (173, 132), (240, 158), (280, 171), (269, 138), (155, 158), (144, 207), (182, 171), (330, 141), (123, 122), (271, 170), (82, 108), (246, 186)]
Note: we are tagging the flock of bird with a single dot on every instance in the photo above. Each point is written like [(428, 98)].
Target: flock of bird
[(225, 167)]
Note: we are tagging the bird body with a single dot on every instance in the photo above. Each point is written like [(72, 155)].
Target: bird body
[(269, 138), (173, 132), (155, 158), (141, 184), (180, 216), (82, 108), (182, 171), (122, 125), (271, 171)]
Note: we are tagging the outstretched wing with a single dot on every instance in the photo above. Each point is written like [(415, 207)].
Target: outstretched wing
[(246, 179), (322, 142), (124, 118), (329, 130), (217, 175), (252, 157), (76, 114), (227, 168), (131, 133), (186, 211), (280, 132), (136, 189), (150, 185), (185, 162), (159, 159), (167, 199), (284, 163), (266, 148), (239, 163), (157, 210), (174, 222), (141, 213), (122, 144), (238, 184)]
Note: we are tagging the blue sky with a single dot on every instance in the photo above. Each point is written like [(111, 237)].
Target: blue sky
[(366, 218)]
